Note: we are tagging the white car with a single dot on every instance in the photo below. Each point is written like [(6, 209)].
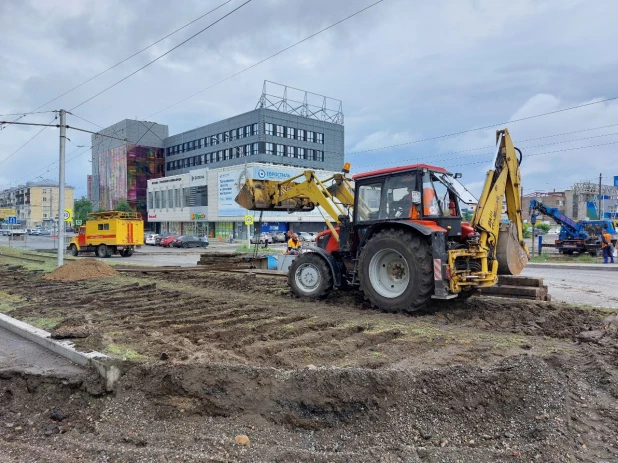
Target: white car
[(305, 236), (150, 239)]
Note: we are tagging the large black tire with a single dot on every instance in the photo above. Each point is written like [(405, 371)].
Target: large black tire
[(310, 276), (124, 253), (129, 252), (185, 245), (73, 250), (102, 251), (396, 271)]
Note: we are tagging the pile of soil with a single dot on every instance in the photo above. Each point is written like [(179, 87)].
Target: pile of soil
[(82, 269)]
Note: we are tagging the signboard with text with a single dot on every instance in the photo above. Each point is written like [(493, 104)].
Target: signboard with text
[(4, 213)]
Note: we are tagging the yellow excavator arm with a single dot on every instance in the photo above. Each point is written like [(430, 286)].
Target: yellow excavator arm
[(335, 195), (500, 248)]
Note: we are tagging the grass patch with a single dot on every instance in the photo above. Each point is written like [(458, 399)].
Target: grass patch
[(560, 258), (8, 302), (124, 352), (261, 250), (44, 323)]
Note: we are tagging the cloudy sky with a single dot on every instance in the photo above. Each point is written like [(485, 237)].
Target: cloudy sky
[(406, 70)]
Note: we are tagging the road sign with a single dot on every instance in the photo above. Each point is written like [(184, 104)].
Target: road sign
[(68, 215), (248, 220), (78, 222), (4, 213), (11, 220)]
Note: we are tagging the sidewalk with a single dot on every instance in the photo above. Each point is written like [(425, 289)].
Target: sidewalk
[(574, 266)]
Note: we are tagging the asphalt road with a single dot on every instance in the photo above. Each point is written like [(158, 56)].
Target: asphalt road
[(588, 287), (18, 354)]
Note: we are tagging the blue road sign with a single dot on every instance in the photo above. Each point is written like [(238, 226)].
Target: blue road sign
[(11, 220)]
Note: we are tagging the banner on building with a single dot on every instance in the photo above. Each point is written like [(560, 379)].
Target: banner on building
[(4, 213)]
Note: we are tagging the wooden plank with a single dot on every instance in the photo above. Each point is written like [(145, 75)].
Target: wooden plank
[(512, 280), (508, 290)]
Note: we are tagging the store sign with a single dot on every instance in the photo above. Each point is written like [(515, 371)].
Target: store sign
[(198, 216), (4, 213), (152, 216), (165, 180), (265, 173)]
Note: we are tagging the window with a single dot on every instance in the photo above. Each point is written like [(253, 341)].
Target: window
[(169, 165), (310, 136), (219, 156), (255, 129), (300, 134), (168, 151), (186, 196), (300, 153), (44, 190), (191, 146), (207, 141), (185, 147), (44, 216), (291, 132), (226, 154), (280, 131), (44, 199), (311, 155), (280, 149), (270, 148), (103, 226), (269, 129), (368, 202), (191, 161), (241, 133), (233, 134), (238, 151), (177, 197), (226, 136), (170, 199), (217, 139), (290, 151), (149, 205), (319, 138), (198, 143), (320, 155), (164, 199), (213, 157), (256, 147), (247, 131), (247, 150)]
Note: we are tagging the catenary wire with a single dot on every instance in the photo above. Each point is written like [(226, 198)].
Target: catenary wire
[(29, 140), (161, 56), (266, 59), (22, 115)]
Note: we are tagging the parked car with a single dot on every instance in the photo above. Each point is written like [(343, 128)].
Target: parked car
[(167, 241), (45, 232), (305, 236), (36, 231), (263, 238), (150, 239), (186, 241), (160, 236), (279, 237)]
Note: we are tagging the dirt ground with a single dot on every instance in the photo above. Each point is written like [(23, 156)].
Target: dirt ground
[(482, 380)]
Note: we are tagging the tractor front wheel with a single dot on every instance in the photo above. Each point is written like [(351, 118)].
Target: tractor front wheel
[(396, 272), (310, 276)]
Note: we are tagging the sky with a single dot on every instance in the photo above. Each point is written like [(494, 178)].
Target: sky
[(405, 70)]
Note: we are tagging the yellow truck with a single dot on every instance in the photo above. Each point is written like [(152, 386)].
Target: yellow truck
[(109, 233)]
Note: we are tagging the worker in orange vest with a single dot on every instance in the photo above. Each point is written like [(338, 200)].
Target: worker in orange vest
[(606, 246)]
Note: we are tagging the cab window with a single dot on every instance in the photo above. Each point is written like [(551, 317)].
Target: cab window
[(437, 199), (402, 197), (368, 202)]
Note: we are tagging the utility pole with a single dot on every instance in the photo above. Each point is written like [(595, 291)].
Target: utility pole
[(61, 167), (599, 206)]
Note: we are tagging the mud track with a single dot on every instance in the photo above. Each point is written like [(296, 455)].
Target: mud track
[(482, 380)]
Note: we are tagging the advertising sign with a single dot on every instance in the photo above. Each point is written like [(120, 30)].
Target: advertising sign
[(231, 181), (4, 213)]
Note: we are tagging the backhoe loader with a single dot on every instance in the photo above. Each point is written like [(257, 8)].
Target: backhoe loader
[(397, 234)]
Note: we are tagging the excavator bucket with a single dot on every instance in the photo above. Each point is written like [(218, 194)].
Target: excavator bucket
[(256, 195), (512, 257)]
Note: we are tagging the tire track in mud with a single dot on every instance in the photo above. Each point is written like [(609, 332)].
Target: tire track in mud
[(210, 317)]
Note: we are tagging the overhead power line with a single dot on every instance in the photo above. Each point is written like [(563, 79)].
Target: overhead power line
[(266, 59), (437, 137), (25, 113), (29, 140), (161, 56)]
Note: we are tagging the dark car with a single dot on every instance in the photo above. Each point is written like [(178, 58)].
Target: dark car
[(187, 241)]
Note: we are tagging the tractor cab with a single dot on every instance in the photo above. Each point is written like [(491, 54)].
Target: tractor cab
[(427, 195)]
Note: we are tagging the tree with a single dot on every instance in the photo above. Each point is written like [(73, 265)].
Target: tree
[(123, 206), (82, 207)]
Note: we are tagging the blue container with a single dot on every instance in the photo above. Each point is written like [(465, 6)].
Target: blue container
[(273, 262)]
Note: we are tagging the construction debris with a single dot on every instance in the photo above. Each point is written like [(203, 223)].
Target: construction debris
[(519, 287)]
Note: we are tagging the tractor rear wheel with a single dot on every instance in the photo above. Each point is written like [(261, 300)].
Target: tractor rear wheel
[(310, 276), (396, 272), (73, 250), (102, 251)]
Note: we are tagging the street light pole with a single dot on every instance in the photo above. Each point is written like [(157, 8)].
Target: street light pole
[(63, 138)]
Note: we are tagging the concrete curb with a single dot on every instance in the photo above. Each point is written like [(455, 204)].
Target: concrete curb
[(567, 266), (101, 363)]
